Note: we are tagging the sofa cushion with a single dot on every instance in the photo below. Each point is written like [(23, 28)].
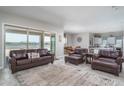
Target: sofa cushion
[(106, 59), (109, 54), (114, 55), (35, 55), (47, 58), (77, 55), (42, 52), (105, 64), (77, 51), (31, 50), (18, 54), (104, 53), (81, 50), (23, 61)]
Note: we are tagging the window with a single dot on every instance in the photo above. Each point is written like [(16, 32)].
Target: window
[(34, 40), (118, 43), (15, 40), (19, 38), (65, 41), (104, 43), (111, 40), (47, 41)]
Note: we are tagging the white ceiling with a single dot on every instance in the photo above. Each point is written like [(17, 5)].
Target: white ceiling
[(74, 19)]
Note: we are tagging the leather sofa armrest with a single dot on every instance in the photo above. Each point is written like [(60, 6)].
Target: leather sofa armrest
[(52, 56), (95, 56), (83, 54), (71, 53), (13, 60), (119, 60), (13, 64)]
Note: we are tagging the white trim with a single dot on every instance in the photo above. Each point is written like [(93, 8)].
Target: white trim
[(26, 27), (3, 46)]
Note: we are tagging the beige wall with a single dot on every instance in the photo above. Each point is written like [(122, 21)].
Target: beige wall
[(85, 40), (72, 40), (69, 39)]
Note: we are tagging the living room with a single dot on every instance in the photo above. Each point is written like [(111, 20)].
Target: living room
[(59, 41)]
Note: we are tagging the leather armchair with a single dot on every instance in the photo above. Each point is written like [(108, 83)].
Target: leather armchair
[(80, 52), (109, 61)]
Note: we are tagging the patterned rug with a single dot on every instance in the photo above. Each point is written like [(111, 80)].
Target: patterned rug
[(61, 75)]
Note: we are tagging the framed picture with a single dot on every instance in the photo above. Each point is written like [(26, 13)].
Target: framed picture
[(79, 39)]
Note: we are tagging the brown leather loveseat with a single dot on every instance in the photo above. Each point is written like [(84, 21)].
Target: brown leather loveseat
[(19, 59), (109, 61)]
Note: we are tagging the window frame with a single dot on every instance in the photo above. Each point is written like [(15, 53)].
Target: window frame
[(47, 34), (5, 26), (34, 33)]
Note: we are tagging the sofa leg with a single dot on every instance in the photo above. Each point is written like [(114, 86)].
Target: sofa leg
[(77, 64), (117, 74), (13, 71), (93, 68), (66, 61), (52, 62)]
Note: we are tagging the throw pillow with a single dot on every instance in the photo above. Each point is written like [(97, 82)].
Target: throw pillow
[(29, 55), (19, 56), (43, 52), (35, 55)]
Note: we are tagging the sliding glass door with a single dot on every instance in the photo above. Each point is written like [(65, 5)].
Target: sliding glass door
[(53, 43), (50, 42), (47, 41)]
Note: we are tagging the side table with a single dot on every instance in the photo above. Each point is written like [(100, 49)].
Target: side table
[(90, 57)]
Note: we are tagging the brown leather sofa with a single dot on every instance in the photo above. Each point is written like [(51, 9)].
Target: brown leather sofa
[(19, 59), (109, 61)]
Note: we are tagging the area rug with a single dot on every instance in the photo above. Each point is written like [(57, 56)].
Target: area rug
[(61, 75)]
